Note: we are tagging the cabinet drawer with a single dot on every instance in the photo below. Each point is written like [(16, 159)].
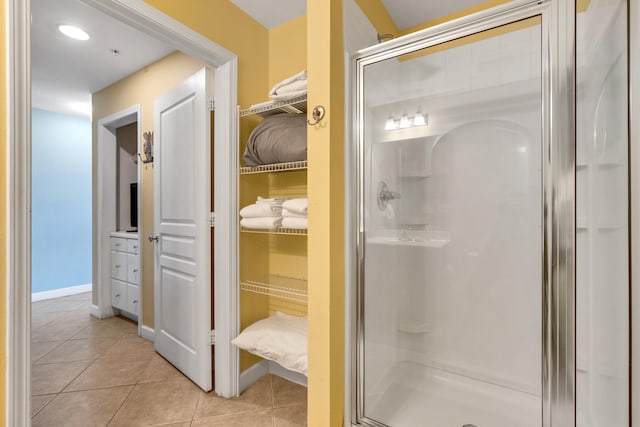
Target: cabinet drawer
[(119, 265), (119, 294), (133, 246), (133, 298), (118, 244), (133, 269)]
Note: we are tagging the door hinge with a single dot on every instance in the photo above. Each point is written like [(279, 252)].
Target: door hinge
[(212, 219), (213, 337), (212, 103)]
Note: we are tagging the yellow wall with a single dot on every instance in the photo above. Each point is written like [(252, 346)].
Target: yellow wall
[(142, 87), (287, 49), (3, 216), (464, 12), (227, 25), (378, 16), (325, 62)]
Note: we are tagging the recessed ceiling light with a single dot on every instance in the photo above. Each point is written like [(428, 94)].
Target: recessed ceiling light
[(73, 32)]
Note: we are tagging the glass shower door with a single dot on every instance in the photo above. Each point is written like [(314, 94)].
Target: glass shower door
[(451, 194)]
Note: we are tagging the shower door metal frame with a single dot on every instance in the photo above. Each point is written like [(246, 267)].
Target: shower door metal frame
[(557, 204)]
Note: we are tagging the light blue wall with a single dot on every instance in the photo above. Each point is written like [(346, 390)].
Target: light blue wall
[(61, 188)]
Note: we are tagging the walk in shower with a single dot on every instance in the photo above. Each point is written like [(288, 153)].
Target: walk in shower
[(492, 222)]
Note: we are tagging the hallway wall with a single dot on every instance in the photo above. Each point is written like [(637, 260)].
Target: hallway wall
[(61, 201)]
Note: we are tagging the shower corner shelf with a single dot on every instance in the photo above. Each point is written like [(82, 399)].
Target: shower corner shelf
[(281, 287), (280, 230), (275, 167), (296, 105)]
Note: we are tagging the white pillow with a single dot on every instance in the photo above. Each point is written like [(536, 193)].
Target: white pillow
[(281, 338)]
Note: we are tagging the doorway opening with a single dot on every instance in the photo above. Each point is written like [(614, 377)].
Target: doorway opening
[(150, 20)]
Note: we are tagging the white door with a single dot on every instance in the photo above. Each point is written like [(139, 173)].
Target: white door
[(182, 193)]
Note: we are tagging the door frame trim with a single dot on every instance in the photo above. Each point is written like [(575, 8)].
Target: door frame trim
[(106, 187), (18, 86), (634, 204)]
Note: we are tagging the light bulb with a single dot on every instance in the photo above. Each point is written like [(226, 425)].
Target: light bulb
[(390, 124), (404, 122), (419, 119)]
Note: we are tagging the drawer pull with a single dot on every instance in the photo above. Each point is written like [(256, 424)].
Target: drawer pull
[(117, 295), (135, 301), (135, 270), (118, 266), (117, 244), (135, 246)]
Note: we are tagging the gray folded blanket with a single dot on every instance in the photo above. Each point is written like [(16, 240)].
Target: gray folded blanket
[(279, 138)]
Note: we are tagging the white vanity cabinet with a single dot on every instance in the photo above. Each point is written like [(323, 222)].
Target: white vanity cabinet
[(125, 272)]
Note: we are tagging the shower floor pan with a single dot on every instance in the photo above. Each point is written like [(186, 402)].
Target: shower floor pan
[(413, 395)]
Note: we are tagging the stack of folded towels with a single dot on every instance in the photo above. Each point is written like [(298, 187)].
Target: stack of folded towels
[(263, 214), (294, 213), (289, 88)]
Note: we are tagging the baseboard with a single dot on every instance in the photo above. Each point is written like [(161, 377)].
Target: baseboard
[(147, 333), (264, 367), (253, 374), (95, 311), (128, 315), (62, 292), (294, 377)]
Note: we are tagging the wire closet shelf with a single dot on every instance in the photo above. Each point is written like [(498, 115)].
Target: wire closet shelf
[(287, 231), (296, 105), (282, 287), (274, 167)]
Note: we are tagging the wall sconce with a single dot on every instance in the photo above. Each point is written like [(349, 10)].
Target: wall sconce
[(147, 147), (406, 122)]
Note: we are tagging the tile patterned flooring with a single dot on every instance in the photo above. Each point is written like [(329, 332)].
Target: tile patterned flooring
[(91, 372)]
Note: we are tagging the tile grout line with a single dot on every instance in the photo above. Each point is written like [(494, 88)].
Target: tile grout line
[(273, 401), (60, 392), (45, 405), (33, 362), (121, 405)]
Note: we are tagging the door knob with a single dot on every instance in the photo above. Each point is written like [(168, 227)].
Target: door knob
[(151, 238)]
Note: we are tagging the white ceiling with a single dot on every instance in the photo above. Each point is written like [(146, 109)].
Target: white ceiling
[(66, 71), (272, 13), (407, 13)]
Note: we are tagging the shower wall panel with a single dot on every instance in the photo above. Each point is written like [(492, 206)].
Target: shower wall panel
[(602, 260)]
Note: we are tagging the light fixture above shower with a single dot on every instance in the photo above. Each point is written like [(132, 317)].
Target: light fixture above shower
[(406, 122)]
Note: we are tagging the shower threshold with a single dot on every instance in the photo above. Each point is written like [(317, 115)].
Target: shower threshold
[(412, 394)]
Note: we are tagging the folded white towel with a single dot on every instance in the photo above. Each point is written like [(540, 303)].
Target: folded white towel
[(288, 214), (297, 205), (264, 223), (278, 201), (258, 210), (290, 87), (297, 223)]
